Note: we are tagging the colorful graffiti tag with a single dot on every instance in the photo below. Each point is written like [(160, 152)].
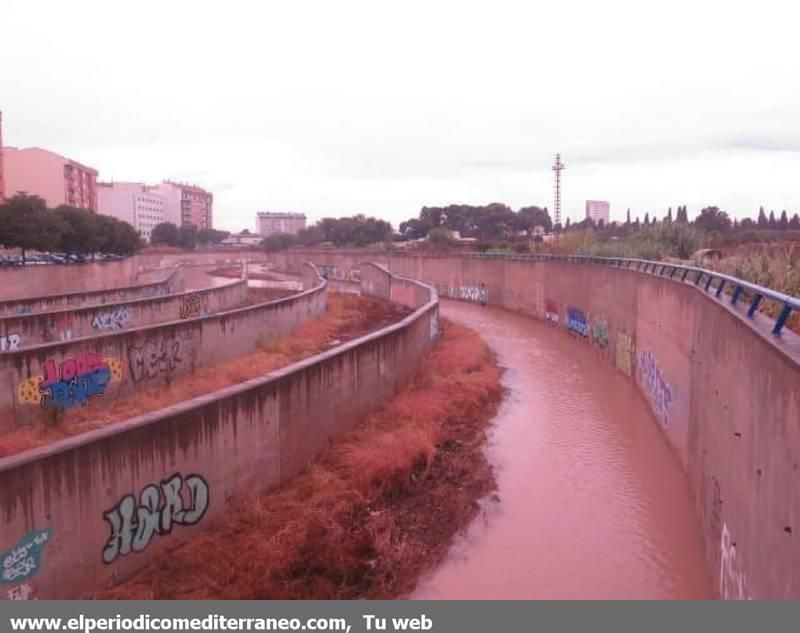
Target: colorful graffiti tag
[(551, 312), (69, 382), (600, 332), (160, 507), (10, 342), (576, 321), (155, 358), (111, 320), (655, 386), (24, 559)]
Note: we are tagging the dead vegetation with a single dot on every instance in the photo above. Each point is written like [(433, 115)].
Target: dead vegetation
[(378, 508), (347, 317)]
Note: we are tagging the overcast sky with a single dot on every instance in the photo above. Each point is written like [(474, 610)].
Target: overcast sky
[(343, 107)]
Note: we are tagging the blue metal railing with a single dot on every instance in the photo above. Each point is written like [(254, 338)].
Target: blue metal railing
[(693, 274)]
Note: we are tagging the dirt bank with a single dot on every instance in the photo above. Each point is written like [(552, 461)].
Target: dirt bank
[(347, 317), (235, 272), (376, 510)]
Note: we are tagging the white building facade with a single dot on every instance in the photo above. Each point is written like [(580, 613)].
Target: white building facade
[(273, 222), (135, 203), (597, 210)]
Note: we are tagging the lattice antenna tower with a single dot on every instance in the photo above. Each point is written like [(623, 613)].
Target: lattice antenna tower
[(558, 166)]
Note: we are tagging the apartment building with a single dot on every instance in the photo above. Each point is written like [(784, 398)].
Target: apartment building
[(57, 179), (132, 202), (272, 222)]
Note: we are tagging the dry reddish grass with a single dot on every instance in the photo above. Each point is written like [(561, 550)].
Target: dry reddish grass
[(379, 507), (347, 317)]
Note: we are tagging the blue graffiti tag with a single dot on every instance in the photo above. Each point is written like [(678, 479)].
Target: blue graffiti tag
[(576, 321), (23, 560), (655, 386)]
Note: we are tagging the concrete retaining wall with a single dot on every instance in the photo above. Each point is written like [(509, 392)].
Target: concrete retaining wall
[(724, 390), (164, 283), (43, 380), (88, 511), (63, 325)]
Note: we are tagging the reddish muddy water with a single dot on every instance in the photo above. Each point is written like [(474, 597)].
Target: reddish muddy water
[(592, 503)]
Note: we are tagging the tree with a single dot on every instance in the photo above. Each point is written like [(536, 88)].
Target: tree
[(25, 223), (628, 218), (530, 217), (712, 219), (212, 236), (440, 236), (762, 223), (647, 219), (773, 223), (783, 223), (278, 242), (794, 223), (165, 233), (668, 218), (81, 233), (682, 216), (116, 236), (187, 237)]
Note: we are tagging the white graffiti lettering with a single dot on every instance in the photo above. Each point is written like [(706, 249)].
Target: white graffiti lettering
[(133, 526), (111, 320), (732, 581), (10, 342)]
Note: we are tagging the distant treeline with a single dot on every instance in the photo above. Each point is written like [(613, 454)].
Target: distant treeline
[(186, 236), (353, 231), (27, 224)]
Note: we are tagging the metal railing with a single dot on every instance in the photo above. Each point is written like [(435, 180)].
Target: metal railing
[(710, 280)]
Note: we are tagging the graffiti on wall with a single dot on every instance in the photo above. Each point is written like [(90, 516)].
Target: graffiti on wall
[(337, 274), (111, 320), (134, 524), (655, 386), (157, 357), (22, 592), (625, 353), (10, 342), (732, 581), (22, 309), (71, 381), (551, 312), (434, 325), (478, 294), (600, 332), (576, 321), (23, 560), (194, 305)]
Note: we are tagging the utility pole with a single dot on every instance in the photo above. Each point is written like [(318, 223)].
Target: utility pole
[(558, 166)]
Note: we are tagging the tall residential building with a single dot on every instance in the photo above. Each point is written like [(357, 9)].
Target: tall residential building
[(57, 179), (132, 202), (272, 222), (597, 210), (2, 181), (186, 204)]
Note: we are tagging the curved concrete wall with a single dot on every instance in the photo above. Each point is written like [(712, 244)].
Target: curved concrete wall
[(89, 511), (43, 380), (63, 325), (725, 391), (163, 284)]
